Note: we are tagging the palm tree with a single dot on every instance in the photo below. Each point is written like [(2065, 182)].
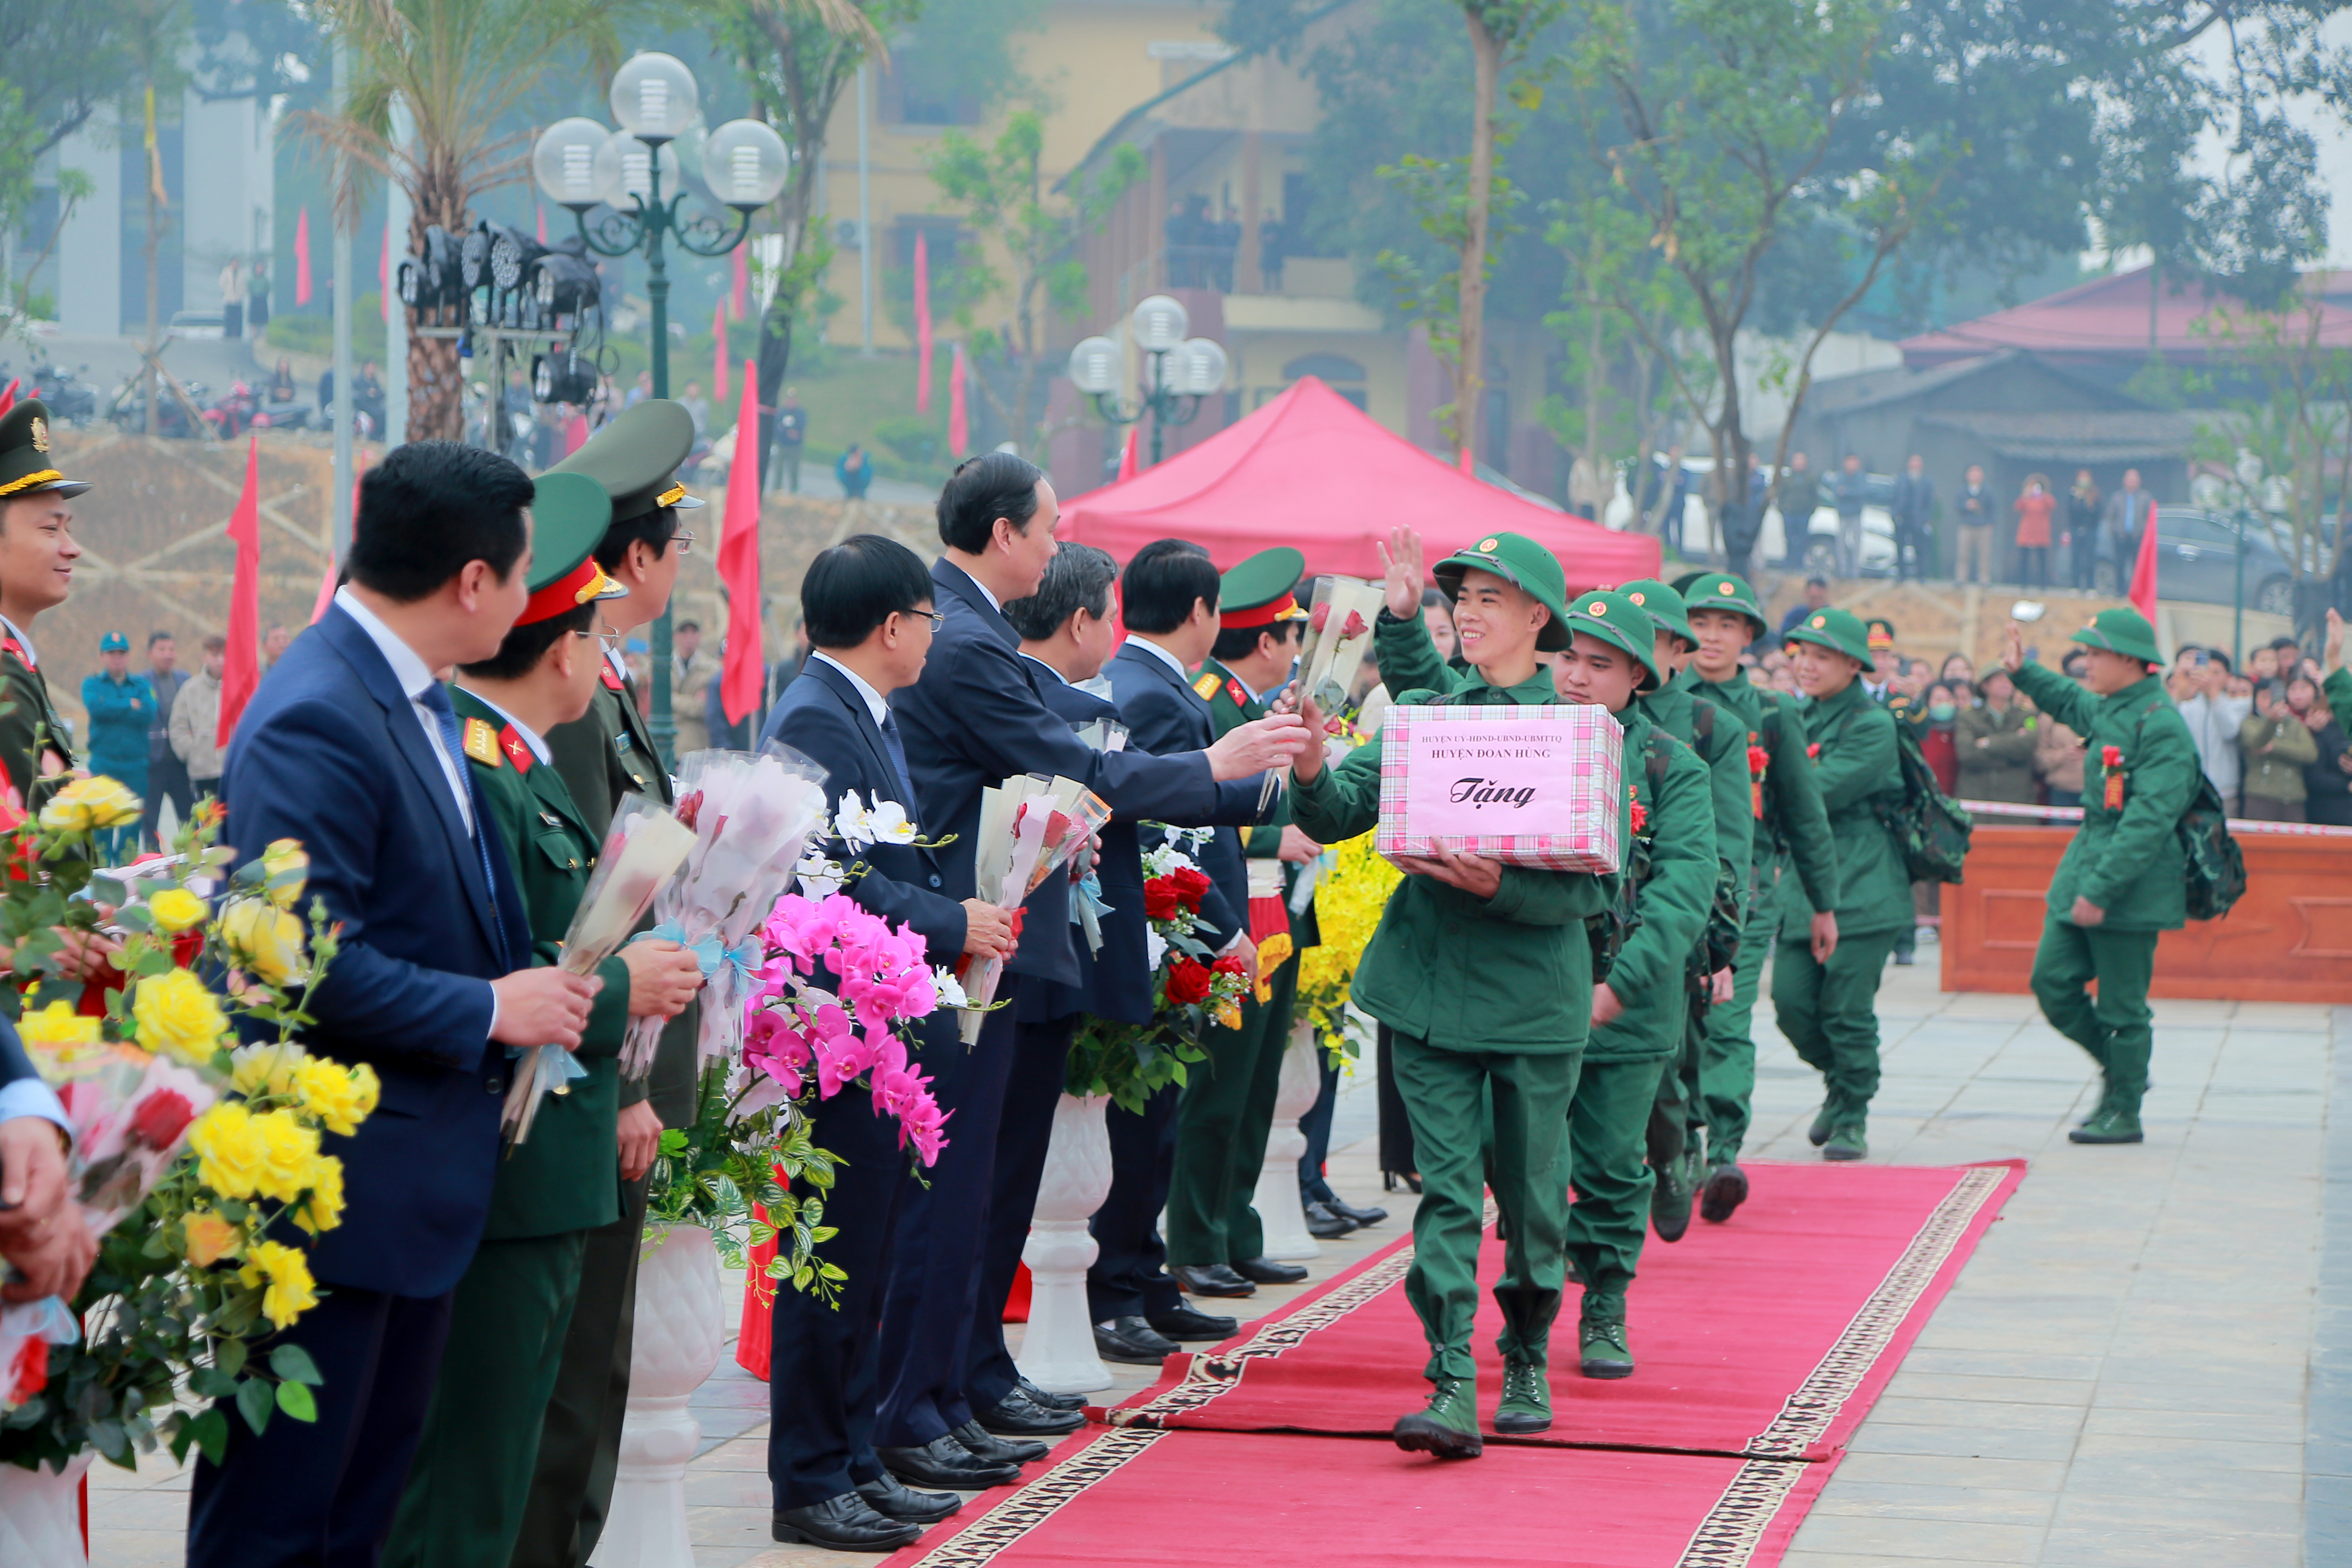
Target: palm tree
[(458, 68)]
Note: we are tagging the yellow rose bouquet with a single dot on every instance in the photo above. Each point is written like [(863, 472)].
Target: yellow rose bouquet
[(200, 1160), (1349, 900)]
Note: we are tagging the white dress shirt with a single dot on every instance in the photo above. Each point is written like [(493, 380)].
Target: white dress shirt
[(31, 1097), (875, 702), (1164, 657), (530, 736), (415, 678)]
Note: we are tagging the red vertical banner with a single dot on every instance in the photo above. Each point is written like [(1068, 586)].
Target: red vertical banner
[(242, 672), (958, 410), (743, 674), (2143, 581), (302, 257), (1129, 463), (922, 324), (540, 208)]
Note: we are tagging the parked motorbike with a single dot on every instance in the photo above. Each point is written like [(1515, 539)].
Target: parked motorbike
[(69, 400)]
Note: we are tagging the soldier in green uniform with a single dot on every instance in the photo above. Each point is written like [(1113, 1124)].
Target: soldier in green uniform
[(1792, 836), (36, 556), (1484, 974), (2123, 877), (1677, 1134), (1259, 620), (1829, 1007), (464, 1495), (604, 755)]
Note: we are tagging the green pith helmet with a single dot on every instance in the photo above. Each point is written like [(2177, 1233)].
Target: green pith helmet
[(1840, 631), (1721, 591), (25, 466), (2123, 631), (1262, 590), (636, 459), (1526, 565), (569, 514), (1662, 604), (1614, 617)]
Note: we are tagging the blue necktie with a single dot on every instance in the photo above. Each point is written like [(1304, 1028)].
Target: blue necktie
[(899, 762), (436, 698)]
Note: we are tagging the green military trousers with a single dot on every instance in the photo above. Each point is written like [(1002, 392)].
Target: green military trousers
[(580, 1445), (2116, 1027), (1522, 1153), (1676, 1122), (1830, 1013), (463, 1505), (1610, 1218), (1726, 1068), (1222, 1122)]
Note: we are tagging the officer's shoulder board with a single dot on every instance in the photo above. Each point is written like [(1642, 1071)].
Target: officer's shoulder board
[(482, 743), (1207, 685)]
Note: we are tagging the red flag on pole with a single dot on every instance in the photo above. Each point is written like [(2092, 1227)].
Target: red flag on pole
[(8, 396), (540, 208), (326, 593), (959, 412), (718, 359), (2143, 583), (302, 257), (922, 324), (242, 672), (1129, 466), (740, 678)]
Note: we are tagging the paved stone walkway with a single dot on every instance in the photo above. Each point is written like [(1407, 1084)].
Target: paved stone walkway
[(2143, 1364)]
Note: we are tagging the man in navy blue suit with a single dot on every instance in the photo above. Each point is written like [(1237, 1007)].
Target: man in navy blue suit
[(1069, 631), (352, 747), (866, 603), (974, 719)]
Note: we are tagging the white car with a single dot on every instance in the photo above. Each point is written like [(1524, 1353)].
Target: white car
[(1694, 538)]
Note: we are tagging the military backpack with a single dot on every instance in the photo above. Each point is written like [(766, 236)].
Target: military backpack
[(2216, 867)]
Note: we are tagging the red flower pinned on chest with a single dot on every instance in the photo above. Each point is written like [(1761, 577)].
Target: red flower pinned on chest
[(2111, 761), (1814, 751), (1758, 759), (1640, 815)]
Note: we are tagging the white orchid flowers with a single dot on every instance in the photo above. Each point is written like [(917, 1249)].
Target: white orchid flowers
[(885, 823)]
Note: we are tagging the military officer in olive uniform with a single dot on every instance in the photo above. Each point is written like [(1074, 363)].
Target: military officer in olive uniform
[(2123, 877), (465, 1491), (1829, 1006), (1259, 622), (604, 755), (36, 556), (1677, 1134), (1794, 866), (1486, 1060)]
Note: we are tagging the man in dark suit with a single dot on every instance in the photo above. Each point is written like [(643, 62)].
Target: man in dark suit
[(353, 748), (1171, 591), (974, 719), (39, 1229), (1069, 631), (1915, 520), (868, 605)]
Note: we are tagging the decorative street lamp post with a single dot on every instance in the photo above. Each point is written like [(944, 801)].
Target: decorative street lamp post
[(580, 165), (1179, 373)]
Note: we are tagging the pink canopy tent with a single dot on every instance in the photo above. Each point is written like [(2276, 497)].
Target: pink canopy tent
[(1311, 469)]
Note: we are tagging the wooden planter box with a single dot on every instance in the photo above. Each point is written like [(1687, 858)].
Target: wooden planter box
[(2288, 939)]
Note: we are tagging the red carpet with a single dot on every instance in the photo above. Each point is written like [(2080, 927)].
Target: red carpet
[(1770, 1336), (1132, 1493)]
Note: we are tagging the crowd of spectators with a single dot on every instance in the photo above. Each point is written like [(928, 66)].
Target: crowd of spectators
[(2266, 737)]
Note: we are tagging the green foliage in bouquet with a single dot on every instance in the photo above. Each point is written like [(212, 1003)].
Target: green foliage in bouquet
[(714, 1173)]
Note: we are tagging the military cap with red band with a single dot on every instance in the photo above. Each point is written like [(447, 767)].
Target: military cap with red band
[(569, 514)]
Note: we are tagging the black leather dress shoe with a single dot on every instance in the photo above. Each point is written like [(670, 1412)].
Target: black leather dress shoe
[(1184, 1323), (1209, 1279), (1039, 1397), (1015, 1416), (1347, 1210), (1266, 1271), (986, 1445), (946, 1464), (843, 1523), (1325, 1226), (1131, 1341), (893, 1498)]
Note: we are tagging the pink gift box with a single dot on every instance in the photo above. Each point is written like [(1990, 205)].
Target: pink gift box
[(1528, 786)]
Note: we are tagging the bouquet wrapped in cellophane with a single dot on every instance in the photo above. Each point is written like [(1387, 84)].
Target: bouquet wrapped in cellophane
[(200, 1162), (1030, 828), (751, 816), (644, 846)]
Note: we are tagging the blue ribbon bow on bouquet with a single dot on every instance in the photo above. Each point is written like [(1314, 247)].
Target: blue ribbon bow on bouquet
[(709, 954), (1088, 908)]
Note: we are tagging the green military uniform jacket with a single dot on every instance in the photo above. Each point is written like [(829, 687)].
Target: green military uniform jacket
[(2128, 862), (1855, 761), (567, 1175), (1675, 709), (1791, 819), (1671, 904), (1230, 704), (2003, 768), (1513, 972), (28, 725), (602, 755)]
